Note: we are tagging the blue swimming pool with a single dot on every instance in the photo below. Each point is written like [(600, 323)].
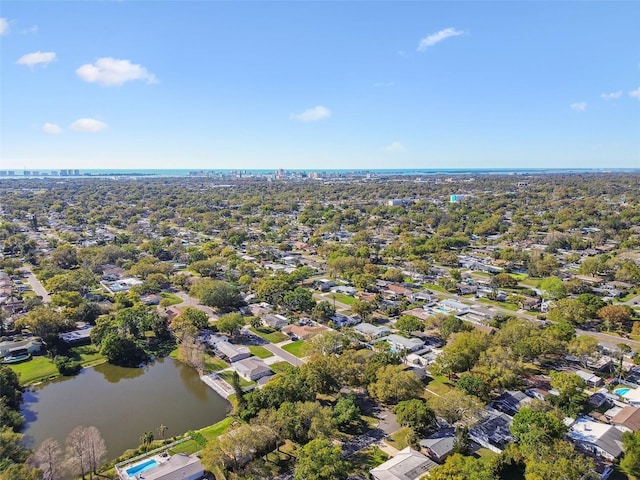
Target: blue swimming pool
[(621, 391), (141, 467)]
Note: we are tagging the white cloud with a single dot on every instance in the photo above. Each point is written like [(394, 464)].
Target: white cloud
[(312, 114), (51, 128), (395, 147), (612, 95), (437, 37), (4, 26), (88, 125), (635, 93), (37, 58), (111, 72), (383, 84), (30, 30), (579, 106)]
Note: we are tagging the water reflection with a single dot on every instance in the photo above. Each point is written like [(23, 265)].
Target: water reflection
[(165, 392)]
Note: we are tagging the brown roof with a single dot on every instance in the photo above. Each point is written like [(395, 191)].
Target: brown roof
[(629, 417)]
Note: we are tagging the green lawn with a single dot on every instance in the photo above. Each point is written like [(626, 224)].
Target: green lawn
[(521, 277), (227, 376), (506, 305), (214, 364), (37, 369), (209, 433), (259, 351), (41, 368), (531, 282), (434, 287), (342, 298), (399, 439), (281, 367), (269, 334), (439, 385), (170, 299), (297, 348), (485, 452), (363, 461)]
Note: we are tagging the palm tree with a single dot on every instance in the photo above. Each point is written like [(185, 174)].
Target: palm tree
[(145, 440), (162, 429)]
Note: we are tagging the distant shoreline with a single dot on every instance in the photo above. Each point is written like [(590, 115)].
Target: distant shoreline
[(321, 173)]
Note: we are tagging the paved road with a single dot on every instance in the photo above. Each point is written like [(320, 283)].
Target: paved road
[(36, 285)]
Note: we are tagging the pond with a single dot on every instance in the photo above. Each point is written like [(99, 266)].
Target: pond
[(122, 403)]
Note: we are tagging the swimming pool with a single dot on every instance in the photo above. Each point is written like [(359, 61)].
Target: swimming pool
[(621, 391), (141, 467)]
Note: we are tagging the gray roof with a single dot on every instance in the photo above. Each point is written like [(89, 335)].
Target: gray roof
[(408, 464), (250, 366), (176, 468), (611, 442), (440, 443), (231, 350)]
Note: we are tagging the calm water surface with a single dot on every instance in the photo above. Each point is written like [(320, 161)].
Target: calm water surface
[(123, 403)]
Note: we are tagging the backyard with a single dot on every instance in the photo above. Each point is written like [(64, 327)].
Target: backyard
[(297, 348)]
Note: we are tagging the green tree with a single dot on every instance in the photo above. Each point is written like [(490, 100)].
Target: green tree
[(461, 353), (272, 290), (299, 300), (458, 467), (568, 310), (394, 384), (583, 347), (146, 439), (630, 463), (452, 324), (503, 280), (346, 412), (320, 460), (122, 350), (532, 429), (363, 308), (472, 385), (457, 407), (323, 311), (416, 414), (553, 288), (217, 294), (231, 323), (408, 323)]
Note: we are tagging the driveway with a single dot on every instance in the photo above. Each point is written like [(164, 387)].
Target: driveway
[(36, 285), (189, 301), (276, 350)]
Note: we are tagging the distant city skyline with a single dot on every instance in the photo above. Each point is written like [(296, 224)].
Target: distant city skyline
[(319, 85)]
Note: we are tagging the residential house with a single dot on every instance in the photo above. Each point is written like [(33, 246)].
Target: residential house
[(341, 320), (590, 379), (493, 432), (398, 290), (251, 368), (403, 344), (303, 332), (595, 437), (510, 402), (82, 335), (439, 445), (420, 313), (451, 305), (531, 303), (177, 467), (233, 352), (407, 464), (627, 419), (277, 322), (371, 332), (30, 345)]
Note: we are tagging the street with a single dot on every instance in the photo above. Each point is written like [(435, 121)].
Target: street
[(36, 285)]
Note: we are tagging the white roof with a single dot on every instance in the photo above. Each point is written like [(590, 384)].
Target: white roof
[(408, 464)]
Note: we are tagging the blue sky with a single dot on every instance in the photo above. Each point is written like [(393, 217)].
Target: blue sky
[(210, 85)]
